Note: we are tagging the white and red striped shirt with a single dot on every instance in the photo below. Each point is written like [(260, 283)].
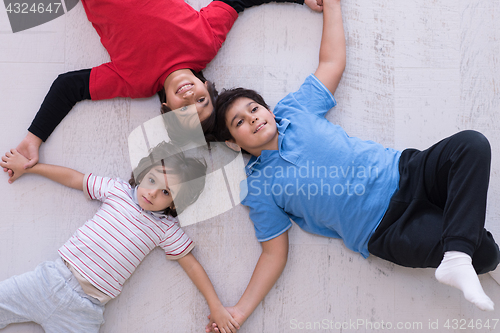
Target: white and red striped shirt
[(107, 248)]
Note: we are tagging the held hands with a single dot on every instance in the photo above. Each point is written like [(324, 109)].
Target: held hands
[(315, 5), (14, 162), (29, 149), (235, 314), (221, 320)]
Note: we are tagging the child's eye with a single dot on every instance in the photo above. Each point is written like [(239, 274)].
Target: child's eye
[(201, 100), (255, 109), (239, 122), (165, 192), (151, 180)]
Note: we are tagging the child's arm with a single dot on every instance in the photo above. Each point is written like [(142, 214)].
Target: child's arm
[(332, 52), (240, 5), (200, 279), (66, 90), (271, 263), (14, 161)]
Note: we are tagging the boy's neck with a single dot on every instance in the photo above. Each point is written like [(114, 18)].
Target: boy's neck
[(271, 145)]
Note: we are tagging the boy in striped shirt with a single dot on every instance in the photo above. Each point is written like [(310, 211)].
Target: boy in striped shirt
[(69, 294)]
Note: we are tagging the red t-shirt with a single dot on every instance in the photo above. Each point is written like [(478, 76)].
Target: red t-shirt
[(149, 39)]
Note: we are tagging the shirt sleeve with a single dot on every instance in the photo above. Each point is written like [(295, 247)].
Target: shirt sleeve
[(97, 188), (221, 18), (240, 5), (269, 220), (107, 83), (312, 97), (176, 243), (66, 90)]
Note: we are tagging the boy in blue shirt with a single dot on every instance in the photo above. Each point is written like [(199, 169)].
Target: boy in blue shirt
[(414, 208)]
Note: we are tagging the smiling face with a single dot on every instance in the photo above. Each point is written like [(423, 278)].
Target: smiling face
[(252, 126), (182, 88), (154, 192), (187, 117)]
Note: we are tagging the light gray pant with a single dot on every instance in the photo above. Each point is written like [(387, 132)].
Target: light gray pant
[(52, 297)]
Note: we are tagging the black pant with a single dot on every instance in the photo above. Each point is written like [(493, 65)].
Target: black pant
[(440, 206)]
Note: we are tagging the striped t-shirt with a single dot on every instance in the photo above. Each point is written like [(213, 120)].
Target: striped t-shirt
[(107, 248)]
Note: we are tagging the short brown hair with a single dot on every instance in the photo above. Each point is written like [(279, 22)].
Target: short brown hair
[(224, 102)]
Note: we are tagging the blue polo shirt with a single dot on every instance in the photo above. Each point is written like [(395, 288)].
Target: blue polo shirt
[(328, 183)]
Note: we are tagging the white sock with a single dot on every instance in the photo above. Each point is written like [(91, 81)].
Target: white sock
[(495, 274), (456, 270)]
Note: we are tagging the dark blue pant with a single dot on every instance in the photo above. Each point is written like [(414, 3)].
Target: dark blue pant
[(440, 206)]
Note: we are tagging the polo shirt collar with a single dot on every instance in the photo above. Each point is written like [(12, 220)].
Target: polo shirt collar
[(282, 125)]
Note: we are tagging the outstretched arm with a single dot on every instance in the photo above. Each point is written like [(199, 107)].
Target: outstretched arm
[(240, 5), (332, 52), (197, 274), (65, 92), (13, 160), (269, 267)]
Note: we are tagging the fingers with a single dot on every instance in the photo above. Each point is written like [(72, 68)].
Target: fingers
[(13, 178), (230, 328), (8, 155), (9, 164), (31, 163), (235, 324), (318, 8), (5, 160), (210, 326)]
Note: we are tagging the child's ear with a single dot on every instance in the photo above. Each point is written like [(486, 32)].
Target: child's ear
[(233, 146), (165, 104)]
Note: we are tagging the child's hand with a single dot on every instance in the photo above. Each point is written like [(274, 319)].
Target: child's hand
[(222, 321), (315, 5), (28, 148), (15, 162), (234, 314)]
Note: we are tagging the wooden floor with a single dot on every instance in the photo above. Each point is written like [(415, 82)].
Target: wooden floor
[(417, 71)]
